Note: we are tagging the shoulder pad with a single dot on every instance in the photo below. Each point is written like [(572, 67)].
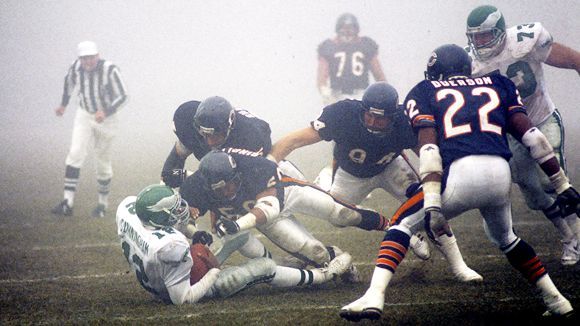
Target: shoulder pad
[(522, 45)]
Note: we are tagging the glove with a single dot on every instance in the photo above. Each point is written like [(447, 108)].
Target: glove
[(226, 226), (569, 202), (174, 178), (202, 237), (436, 225)]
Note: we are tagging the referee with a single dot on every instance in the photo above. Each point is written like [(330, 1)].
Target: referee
[(101, 93)]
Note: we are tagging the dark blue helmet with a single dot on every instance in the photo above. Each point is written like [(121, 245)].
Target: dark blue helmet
[(219, 170), (447, 61), (381, 103), (344, 20), (215, 115)]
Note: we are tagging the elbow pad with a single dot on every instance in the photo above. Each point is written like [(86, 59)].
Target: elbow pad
[(270, 205), (429, 160), (537, 143)]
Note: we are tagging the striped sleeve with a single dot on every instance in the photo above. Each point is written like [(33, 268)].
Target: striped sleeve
[(117, 90), (70, 82)]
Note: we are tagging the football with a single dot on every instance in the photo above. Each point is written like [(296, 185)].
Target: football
[(203, 261)]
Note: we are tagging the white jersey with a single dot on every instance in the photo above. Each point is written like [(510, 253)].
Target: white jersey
[(159, 257), (527, 46)]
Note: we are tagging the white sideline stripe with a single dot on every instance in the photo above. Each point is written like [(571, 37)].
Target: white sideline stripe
[(305, 308), (125, 273), (64, 277)]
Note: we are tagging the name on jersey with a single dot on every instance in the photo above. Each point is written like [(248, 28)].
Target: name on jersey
[(245, 152), (128, 231), (462, 82)]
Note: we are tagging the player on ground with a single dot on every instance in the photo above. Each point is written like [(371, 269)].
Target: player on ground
[(519, 54), (462, 124), (344, 62), (370, 136), (160, 255), (248, 191)]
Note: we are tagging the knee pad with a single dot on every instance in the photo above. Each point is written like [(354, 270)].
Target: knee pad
[(315, 252), (234, 279), (344, 216)]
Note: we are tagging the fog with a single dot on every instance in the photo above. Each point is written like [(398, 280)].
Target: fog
[(260, 55)]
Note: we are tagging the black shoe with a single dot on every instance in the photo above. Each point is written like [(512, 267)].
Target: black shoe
[(99, 211), (62, 209)]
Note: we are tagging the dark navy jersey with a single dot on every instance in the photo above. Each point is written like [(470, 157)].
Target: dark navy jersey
[(358, 151), (256, 174), (348, 62), (470, 114), (249, 132)]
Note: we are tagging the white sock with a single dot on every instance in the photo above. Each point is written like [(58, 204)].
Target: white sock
[(287, 277), (562, 227), (380, 280), (450, 250), (546, 286), (69, 195)]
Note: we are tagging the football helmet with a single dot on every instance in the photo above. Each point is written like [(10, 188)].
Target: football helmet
[(160, 206), (447, 61), (219, 170), (214, 120), (485, 31), (347, 27), (381, 104)]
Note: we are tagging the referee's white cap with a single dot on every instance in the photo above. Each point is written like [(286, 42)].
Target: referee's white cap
[(87, 48)]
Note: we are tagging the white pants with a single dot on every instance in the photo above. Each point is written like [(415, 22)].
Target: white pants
[(476, 182), (532, 181), (395, 180), (87, 132)]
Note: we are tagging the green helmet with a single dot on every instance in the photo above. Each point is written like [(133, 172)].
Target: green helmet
[(485, 31), (160, 205)]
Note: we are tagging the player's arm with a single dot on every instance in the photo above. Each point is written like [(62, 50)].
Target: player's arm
[(173, 173), (541, 150), (322, 79), (565, 57), (377, 69), (267, 207), (296, 139)]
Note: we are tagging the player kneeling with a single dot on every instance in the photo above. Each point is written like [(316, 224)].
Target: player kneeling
[(161, 256)]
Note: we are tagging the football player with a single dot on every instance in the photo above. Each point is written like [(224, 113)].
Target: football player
[(248, 191), (369, 137), (462, 124), (159, 253), (345, 60), (519, 53)]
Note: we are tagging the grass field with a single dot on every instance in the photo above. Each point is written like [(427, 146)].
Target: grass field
[(72, 271)]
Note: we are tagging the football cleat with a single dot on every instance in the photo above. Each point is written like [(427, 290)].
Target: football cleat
[(557, 306), (419, 246), (467, 275), (352, 275), (99, 211), (62, 209), (339, 265), (369, 306), (570, 252)]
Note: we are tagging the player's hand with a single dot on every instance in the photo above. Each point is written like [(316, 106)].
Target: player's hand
[(202, 237), (59, 111), (174, 178), (100, 116), (226, 226), (435, 224), (569, 202)]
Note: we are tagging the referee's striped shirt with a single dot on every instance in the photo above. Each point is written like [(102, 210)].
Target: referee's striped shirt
[(100, 88)]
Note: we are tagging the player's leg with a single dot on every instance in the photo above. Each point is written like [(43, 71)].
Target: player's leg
[(104, 135), (289, 277), (498, 227), (530, 181), (553, 129), (401, 181), (81, 138), (293, 238), (391, 252)]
